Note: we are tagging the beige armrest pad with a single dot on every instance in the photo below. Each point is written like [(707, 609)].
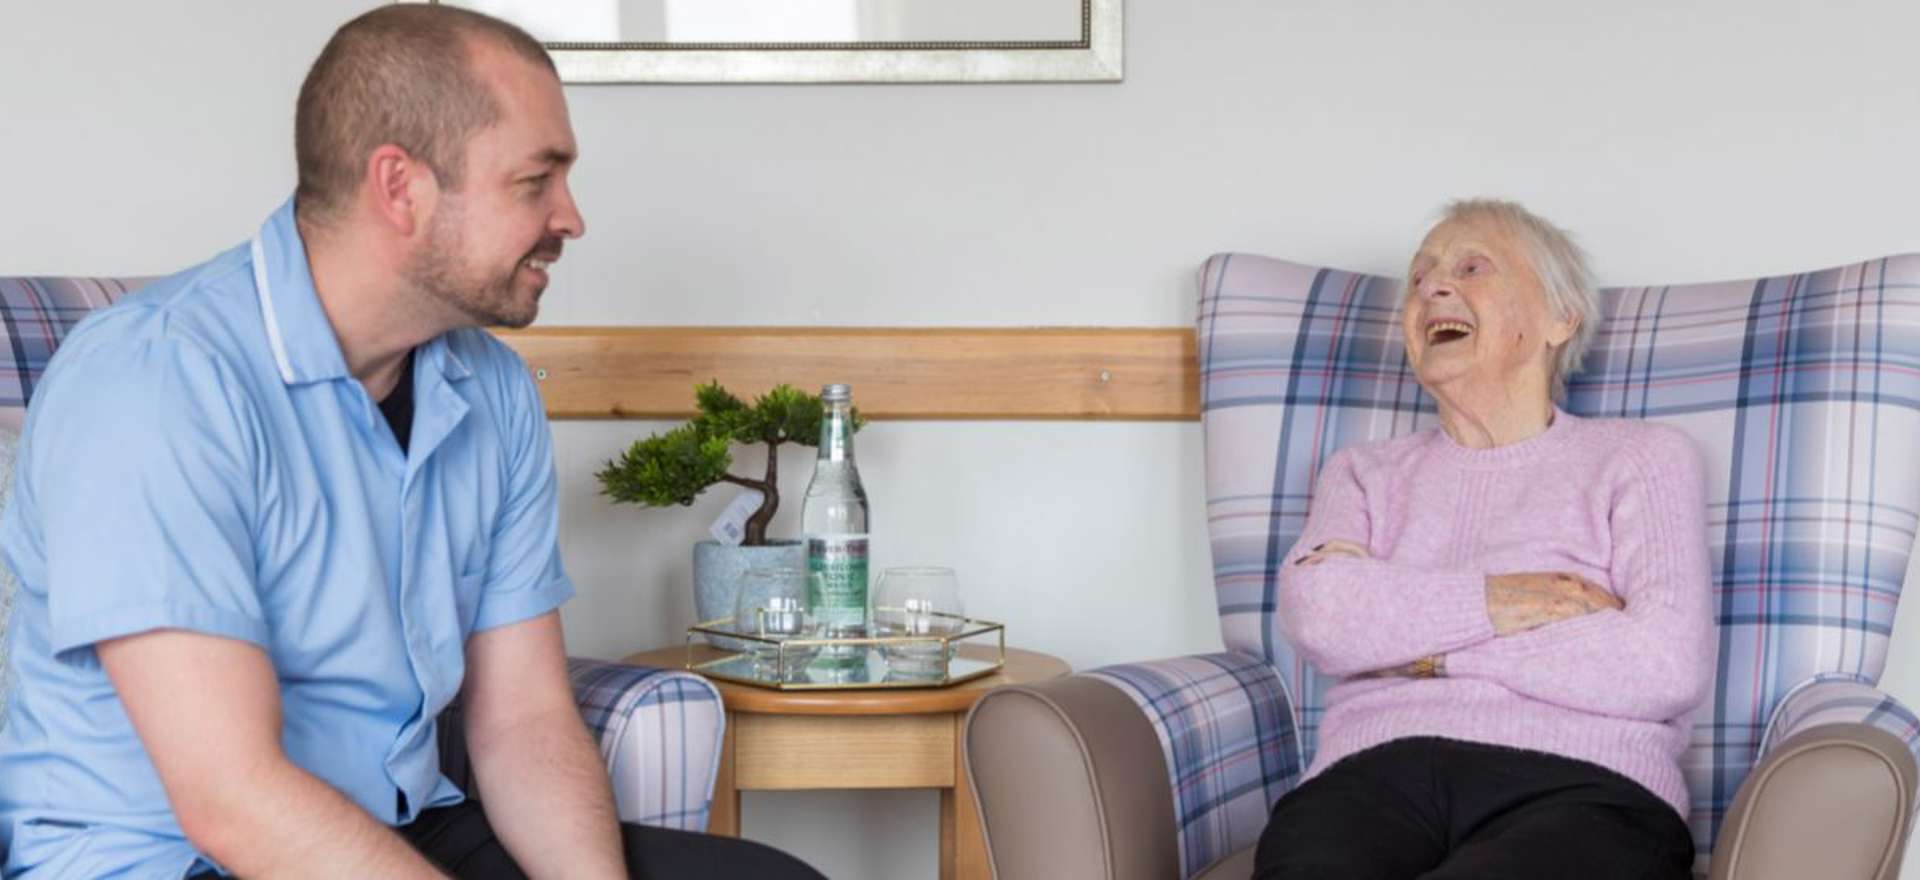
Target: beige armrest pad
[(1071, 784), (1832, 801)]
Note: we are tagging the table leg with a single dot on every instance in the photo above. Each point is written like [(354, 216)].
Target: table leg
[(724, 819), (949, 842), (963, 845)]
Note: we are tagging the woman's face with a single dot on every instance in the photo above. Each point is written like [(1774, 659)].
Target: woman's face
[(1476, 316)]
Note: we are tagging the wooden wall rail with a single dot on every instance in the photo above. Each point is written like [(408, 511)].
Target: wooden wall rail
[(1145, 373)]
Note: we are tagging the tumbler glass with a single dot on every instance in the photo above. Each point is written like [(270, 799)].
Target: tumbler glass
[(921, 602), (772, 605)]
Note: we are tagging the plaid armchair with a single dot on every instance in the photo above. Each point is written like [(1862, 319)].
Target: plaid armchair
[(659, 730), (1802, 392)]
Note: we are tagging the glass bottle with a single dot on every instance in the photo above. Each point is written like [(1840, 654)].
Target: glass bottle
[(834, 520)]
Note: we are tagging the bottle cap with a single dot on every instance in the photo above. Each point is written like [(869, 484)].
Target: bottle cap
[(836, 393)]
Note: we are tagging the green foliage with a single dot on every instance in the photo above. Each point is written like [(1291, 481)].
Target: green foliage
[(669, 468), (674, 467), (782, 415)]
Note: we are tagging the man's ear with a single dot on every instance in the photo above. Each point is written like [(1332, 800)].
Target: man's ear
[(402, 188)]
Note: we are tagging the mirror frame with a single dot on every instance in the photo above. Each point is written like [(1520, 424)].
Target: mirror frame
[(1095, 57)]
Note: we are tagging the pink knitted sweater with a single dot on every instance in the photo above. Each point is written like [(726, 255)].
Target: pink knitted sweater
[(1617, 502)]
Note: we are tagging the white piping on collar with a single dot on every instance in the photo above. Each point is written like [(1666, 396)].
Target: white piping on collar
[(459, 365), (266, 308)]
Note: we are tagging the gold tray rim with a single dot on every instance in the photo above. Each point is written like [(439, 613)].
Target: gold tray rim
[(975, 627)]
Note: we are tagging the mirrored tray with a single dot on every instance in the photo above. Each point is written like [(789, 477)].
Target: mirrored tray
[(849, 664)]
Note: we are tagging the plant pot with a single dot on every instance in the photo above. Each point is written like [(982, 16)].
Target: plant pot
[(717, 569)]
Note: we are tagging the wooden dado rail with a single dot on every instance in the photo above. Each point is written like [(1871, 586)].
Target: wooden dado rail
[(1144, 373)]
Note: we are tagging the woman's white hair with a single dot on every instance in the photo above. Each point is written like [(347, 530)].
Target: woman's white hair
[(1557, 261)]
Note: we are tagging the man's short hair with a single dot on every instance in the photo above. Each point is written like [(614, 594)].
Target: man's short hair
[(402, 74)]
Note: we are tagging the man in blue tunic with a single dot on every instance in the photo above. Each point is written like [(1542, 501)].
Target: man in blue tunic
[(274, 513)]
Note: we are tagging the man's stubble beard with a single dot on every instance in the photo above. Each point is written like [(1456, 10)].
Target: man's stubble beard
[(435, 270)]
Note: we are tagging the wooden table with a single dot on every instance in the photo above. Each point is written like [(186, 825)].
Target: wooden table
[(886, 738)]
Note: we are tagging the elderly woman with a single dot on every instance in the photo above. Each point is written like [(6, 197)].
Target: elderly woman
[(1516, 604)]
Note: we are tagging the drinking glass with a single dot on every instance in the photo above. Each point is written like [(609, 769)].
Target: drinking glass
[(773, 605), (919, 601)]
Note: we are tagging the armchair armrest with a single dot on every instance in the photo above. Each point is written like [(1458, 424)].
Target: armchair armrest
[(1833, 792), (659, 732), (1140, 770)]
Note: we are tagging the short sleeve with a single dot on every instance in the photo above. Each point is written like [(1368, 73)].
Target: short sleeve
[(524, 577), (139, 476)]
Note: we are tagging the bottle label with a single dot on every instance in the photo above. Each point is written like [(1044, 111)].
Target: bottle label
[(837, 588), (731, 527)]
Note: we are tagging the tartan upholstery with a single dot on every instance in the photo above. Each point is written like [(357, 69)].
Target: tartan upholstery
[(1228, 735), (1802, 393), (35, 315), (1837, 699), (658, 730), (9, 585)]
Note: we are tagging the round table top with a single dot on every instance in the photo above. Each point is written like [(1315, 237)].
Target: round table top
[(1021, 667)]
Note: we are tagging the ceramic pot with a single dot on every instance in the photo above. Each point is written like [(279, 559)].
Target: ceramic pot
[(717, 569)]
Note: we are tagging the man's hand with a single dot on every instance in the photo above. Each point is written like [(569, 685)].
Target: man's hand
[(207, 709), (1332, 549), (1525, 600)]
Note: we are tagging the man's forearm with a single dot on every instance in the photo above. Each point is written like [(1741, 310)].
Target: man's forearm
[(546, 795), (281, 821)]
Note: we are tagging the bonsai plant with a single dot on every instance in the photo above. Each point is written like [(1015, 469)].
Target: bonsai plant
[(675, 466)]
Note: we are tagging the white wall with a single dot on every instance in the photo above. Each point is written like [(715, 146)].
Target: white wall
[(1682, 141)]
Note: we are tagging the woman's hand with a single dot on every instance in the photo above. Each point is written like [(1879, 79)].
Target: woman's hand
[(1425, 667), (1525, 600), (1332, 549)]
